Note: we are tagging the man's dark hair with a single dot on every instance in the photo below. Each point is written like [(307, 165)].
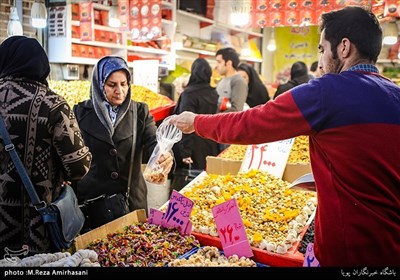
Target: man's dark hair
[(357, 24), (298, 69), (314, 66), (229, 54)]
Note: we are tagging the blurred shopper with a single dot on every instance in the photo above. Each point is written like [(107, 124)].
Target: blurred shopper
[(352, 117), (298, 76), (232, 89), (46, 136), (257, 91), (314, 70), (115, 128), (191, 152)]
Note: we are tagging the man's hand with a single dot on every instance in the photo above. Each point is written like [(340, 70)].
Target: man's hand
[(184, 122)]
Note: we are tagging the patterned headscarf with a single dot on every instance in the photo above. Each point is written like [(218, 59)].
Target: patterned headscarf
[(23, 57), (108, 115)]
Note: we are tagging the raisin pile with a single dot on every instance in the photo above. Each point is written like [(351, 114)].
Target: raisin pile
[(308, 238)]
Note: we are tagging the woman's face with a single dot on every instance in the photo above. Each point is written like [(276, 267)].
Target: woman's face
[(244, 75), (116, 87)]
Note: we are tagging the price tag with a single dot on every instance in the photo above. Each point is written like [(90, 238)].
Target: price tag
[(270, 157), (309, 258), (155, 216), (231, 229), (178, 212)]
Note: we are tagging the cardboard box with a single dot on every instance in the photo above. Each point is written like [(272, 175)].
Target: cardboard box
[(82, 241), (223, 166)]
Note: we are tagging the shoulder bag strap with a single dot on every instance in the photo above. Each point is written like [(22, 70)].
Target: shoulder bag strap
[(9, 147), (134, 134)]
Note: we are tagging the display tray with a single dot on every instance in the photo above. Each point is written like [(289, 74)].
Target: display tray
[(293, 258), (161, 113), (195, 249)]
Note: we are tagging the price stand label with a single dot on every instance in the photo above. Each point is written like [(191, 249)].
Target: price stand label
[(155, 216), (178, 212), (309, 258), (270, 157), (231, 229)]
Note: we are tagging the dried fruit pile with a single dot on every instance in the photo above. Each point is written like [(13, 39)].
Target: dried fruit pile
[(210, 256), (298, 154), (81, 258), (77, 91), (300, 151), (142, 245), (234, 152), (273, 214)]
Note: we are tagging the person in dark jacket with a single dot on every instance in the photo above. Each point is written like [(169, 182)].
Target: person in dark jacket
[(257, 91), (46, 136), (114, 127), (298, 76), (191, 152)]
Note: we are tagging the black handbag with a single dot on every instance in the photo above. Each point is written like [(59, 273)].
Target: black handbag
[(63, 217), (103, 209)]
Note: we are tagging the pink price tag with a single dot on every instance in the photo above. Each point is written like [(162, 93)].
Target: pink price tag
[(155, 216), (231, 230), (309, 258), (178, 212)]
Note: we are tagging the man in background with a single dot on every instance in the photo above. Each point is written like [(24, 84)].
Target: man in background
[(314, 71), (232, 89)]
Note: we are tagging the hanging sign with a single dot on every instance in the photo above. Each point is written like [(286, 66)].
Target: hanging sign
[(231, 230), (270, 157)]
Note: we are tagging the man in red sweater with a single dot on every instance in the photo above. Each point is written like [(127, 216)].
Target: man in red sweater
[(352, 117)]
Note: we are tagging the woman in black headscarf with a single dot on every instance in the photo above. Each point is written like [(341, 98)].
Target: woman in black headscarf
[(257, 91), (115, 128), (298, 75), (191, 152), (46, 136)]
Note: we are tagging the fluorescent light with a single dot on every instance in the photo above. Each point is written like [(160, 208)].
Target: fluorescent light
[(38, 14), (240, 12), (14, 26), (390, 33), (113, 18), (271, 43)]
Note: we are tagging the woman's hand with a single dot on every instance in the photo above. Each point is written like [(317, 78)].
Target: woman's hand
[(166, 161), (187, 160)]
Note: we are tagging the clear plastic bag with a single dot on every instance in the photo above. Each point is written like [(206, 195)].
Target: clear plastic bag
[(167, 135)]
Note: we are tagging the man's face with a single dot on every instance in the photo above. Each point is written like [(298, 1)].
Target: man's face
[(329, 62), (221, 65)]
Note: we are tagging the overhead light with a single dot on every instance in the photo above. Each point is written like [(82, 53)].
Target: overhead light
[(390, 33), (240, 12), (39, 14), (14, 26), (245, 51), (271, 43)]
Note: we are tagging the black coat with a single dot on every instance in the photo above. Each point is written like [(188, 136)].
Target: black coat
[(200, 99), (291, 84), (110, 166)]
